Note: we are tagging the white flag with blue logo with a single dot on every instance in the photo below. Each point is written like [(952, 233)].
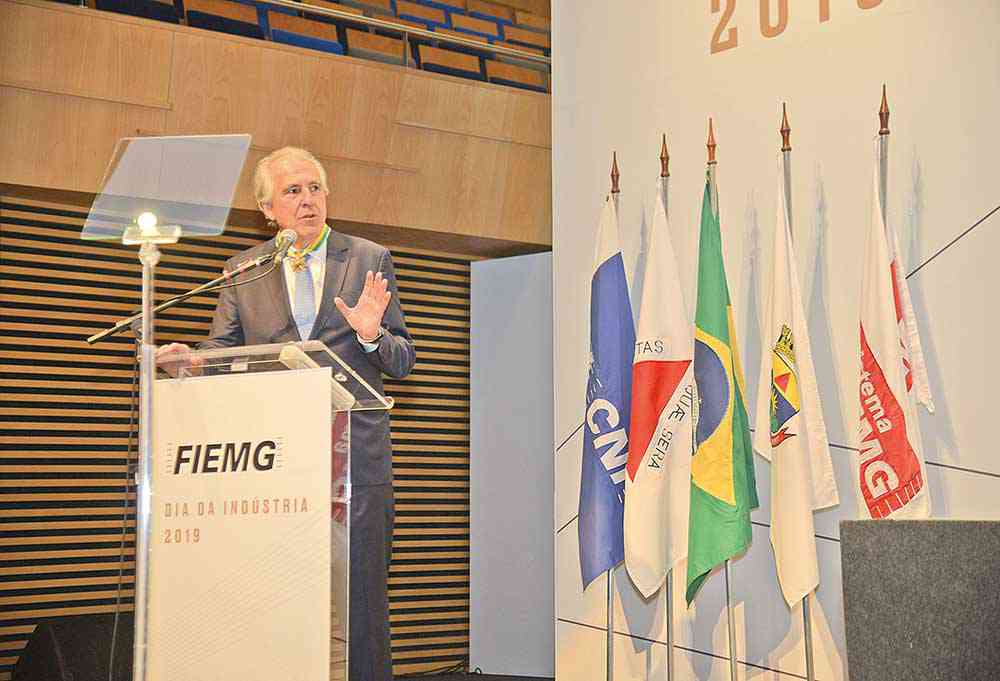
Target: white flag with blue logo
[(609, 392)]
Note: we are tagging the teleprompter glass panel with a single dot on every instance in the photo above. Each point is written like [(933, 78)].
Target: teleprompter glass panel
[(162, 188)]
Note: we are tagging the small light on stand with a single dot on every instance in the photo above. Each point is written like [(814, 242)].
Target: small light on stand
[(148, 230), (147, 224)]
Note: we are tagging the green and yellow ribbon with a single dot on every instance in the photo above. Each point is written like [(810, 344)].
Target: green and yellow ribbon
[(298, 257)]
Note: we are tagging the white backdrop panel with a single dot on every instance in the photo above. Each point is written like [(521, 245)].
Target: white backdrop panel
[(511, 477)]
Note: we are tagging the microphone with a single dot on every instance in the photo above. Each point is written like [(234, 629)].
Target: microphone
[(282, 243)]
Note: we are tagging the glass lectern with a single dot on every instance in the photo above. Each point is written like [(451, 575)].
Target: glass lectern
[(251, 447)]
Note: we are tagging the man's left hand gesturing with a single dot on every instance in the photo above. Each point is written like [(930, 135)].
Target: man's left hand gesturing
[(366, 316)]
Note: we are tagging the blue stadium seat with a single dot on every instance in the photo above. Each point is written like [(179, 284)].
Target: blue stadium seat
[(481, 28), (431, 17), (523, 86), (512, 75), (373, 46), (306, 41), (212, 22), (148, 9), (491, 12), (528, 38), (378, 10), (461, 73), (488, 38), (267, 7), (490, 17), (225, 16), (262, 11), (445, 5), (450, 62), (486, 54)]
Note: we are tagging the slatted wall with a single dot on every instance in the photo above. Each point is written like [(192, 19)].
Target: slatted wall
[(64, 427)]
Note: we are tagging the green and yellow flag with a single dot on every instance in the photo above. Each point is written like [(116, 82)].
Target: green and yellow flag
[(723, 485)]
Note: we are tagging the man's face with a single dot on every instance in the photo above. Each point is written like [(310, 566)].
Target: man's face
[(299, 200)]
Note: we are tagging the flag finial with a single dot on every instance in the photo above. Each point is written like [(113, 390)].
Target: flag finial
[(883, 114), (664, 158), (786, 130), (711, 143), (614, 173)]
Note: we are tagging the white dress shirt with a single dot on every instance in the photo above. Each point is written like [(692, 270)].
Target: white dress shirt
[(317, 267)]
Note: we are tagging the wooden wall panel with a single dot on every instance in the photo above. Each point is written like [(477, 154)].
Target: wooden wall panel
[(76, 52), (466, 107), (75, 81), (70, 139), (64, 428), (523, 209)]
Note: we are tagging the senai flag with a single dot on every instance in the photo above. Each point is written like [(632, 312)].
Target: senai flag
[(723, 487), (609, 391)]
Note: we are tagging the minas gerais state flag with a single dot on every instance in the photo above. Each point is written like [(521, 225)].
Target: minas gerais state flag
[(659, 461)]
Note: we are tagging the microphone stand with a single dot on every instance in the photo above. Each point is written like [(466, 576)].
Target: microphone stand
[(127, 322)]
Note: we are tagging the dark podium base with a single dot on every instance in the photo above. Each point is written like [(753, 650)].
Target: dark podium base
[(922, 599)]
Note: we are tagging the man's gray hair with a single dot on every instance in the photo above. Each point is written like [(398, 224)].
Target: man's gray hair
[(263, 174)]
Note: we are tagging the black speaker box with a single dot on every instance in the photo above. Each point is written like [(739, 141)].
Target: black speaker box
[(77, 649)]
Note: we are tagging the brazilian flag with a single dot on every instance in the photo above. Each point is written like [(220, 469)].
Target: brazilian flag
[(723, 485)]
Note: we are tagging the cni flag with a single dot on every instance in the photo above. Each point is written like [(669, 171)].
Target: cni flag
[(658, 486), (609, 390), (723, 486), (891, 471), (790, 431)]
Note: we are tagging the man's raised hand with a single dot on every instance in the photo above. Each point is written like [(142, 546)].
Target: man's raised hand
[(366, 316)]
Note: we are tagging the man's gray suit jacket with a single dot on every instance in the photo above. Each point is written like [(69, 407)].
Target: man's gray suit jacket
[(260, 312)]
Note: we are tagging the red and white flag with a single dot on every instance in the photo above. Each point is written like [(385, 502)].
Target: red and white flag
[(913, 353), (658, 485), (892, 476)]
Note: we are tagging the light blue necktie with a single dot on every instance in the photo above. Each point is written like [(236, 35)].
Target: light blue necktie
[(304, 311)]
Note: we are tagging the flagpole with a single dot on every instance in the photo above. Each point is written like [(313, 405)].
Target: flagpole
[(786, 152), (883, 153), (731, 622), (730, 618), (713, 190), (665, 174), (668, 585), (610, 671)]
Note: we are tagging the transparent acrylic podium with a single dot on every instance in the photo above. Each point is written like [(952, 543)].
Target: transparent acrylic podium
[(270, 580), (348, 391)]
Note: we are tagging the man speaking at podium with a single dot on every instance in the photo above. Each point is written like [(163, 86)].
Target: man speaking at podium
[(340, 290)]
